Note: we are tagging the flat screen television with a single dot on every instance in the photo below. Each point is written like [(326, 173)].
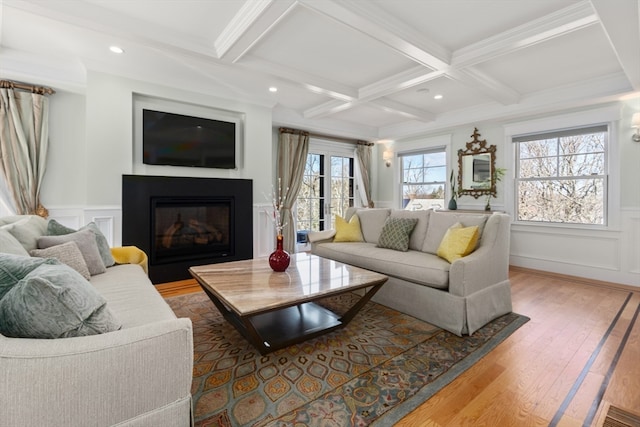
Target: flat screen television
[(178, 140)]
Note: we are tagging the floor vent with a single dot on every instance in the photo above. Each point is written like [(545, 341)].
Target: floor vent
[(617, 417)]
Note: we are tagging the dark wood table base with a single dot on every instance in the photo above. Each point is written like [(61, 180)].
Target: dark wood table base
[(279, 328)]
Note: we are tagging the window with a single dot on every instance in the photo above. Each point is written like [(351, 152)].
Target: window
[(315, 206), (424, 179), (561, 176)]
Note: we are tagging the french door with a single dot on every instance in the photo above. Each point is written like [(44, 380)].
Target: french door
[(327, 190)]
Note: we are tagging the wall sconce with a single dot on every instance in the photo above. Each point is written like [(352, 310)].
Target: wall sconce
[(387, 156), (635, 124)]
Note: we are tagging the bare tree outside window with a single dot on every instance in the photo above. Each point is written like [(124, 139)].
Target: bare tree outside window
[(324, 194), (562, 177), (423, 180)]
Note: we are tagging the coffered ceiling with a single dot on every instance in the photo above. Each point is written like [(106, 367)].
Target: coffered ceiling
[(367, 69)]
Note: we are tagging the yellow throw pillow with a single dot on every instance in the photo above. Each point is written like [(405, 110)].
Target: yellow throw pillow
[(348, 231), (458, 242)]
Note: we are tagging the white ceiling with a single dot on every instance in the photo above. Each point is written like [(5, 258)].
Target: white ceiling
[(362, 68)]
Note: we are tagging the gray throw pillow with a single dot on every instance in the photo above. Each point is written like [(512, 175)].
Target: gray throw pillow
[(396, 233), (11, 245), (86, 242), (27, 230), (54, 301), (14, 268), (67, 253), (54, 228)]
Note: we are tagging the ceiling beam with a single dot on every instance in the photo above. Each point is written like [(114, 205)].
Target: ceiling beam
[(572, 18), (253, 21), (621, 23), (391, 106), (370, 20), (308, 81)]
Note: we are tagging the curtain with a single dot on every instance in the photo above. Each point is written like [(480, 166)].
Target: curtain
[(24, 135), (293, 147), (363, 173)]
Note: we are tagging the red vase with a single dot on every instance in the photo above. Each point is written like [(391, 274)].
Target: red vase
[(279, 259)]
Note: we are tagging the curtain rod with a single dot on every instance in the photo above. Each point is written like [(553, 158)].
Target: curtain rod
[(324, 136), (8, 84)]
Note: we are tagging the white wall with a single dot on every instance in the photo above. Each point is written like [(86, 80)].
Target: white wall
[(609, 254), (91, 147)]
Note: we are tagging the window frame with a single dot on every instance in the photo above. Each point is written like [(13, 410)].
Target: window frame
[(608, 116), (444, 182), (414, 147)]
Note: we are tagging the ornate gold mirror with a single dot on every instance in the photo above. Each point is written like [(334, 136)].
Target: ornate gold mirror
[(477, 168)]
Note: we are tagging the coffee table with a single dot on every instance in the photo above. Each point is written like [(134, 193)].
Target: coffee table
[(275, 310)]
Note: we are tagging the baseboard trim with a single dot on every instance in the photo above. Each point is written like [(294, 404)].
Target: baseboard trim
[(577, 279)]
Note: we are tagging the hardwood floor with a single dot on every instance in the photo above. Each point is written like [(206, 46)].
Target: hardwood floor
[(579, 353)]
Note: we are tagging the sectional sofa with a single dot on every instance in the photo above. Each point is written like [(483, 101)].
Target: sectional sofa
[(460, 296), (126, 360)]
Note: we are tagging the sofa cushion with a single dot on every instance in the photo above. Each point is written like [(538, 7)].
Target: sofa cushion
[(348, 231), (14, 268), (420, 230), (54, 228), (67, 253), (371, 222), (439, 223), (27, 229), (131, 296), (414, 266), (395, 233), (11, 245), (86, 241), (458, 242), (54, 301)]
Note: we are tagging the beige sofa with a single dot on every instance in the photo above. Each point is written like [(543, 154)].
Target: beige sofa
[(460, 297), (138, 375)]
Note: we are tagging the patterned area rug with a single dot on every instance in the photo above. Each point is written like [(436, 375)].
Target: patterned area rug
[(372, 372)]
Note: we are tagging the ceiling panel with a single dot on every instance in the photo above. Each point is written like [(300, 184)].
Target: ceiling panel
[(455, 24), (454, 96), (315, 45), (200, 20), (574, 57)]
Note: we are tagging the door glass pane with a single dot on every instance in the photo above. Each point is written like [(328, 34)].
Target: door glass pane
[(310, 215), (342, 184)]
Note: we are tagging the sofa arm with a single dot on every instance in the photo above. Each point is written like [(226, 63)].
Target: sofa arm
[(106, 378), (317, 236), (486, 266)]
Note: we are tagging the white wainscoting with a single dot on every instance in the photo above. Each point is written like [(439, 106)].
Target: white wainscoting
[(107, 218), (264, 235), (608, 255)]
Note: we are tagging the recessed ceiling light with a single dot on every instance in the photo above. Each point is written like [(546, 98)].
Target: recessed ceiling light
[(273, 89), (438, 96), (116, 49)]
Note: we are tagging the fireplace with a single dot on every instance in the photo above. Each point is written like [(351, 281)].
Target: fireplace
[(180, 222)]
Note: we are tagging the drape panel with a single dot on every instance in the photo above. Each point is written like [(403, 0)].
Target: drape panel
[(363, 156), (293, 147), (24, 136)]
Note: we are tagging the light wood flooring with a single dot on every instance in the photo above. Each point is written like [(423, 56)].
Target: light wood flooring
[(579, 353)]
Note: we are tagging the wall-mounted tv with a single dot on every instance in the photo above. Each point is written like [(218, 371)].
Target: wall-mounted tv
[(179, 140)]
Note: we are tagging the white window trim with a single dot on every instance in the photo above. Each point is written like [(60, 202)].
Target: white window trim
[(610, 115), (417, 147)]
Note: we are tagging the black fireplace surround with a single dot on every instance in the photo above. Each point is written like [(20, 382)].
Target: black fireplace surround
[(180, 222)]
